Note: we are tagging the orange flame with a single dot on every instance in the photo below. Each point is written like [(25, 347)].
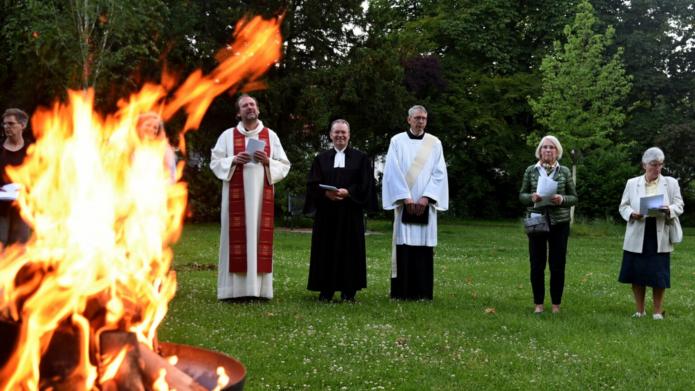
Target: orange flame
[(104, 213)]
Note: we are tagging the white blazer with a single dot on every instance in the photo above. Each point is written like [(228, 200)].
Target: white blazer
[(634, 232)]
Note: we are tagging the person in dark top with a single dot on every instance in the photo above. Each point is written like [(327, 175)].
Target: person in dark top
[(338, 255), (12, 228)]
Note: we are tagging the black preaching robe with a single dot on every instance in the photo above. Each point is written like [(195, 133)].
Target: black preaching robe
[(338, 256)]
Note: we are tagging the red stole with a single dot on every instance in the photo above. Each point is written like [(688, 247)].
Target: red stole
[(237, 215)]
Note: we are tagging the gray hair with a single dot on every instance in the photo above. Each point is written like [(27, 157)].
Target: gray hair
[(652, 154), (340, 121), (415, 109), (18, 114), (553, 140)]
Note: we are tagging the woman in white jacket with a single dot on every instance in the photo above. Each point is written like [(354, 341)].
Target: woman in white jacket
[(647, 248)]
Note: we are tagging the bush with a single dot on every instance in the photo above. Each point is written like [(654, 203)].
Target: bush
[(601, 178)]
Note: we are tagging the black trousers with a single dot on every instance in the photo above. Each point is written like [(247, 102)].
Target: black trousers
[(415, 273), (550, 248)]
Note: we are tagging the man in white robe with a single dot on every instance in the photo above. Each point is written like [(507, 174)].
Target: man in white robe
[(245, 258), (415, 184)]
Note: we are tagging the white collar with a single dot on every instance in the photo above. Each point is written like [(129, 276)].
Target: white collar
[(339, 159), (250, 132)]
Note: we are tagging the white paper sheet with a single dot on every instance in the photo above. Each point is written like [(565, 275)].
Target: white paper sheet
[(254, 145), (9, 192), (546, 188), (650, 202)]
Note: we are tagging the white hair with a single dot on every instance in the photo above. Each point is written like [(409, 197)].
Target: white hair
[(653, 154), (339, 121), (415, 109), (555, 142)]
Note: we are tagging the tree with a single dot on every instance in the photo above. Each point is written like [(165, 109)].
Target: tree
[(657, 37), (487, 54), (582, 91), (56, 45)]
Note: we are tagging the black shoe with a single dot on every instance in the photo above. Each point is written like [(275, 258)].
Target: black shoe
[(347, 296), (326, 296)]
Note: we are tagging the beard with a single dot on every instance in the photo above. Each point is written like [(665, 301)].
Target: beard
[(249, 116)]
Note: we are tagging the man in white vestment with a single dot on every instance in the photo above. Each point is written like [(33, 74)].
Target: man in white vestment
[(249, 160), (415, 187)]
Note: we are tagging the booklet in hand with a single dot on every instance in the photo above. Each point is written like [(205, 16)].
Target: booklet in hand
[(650, 202), (254, 145), (328, 187), (656, 212), (411, 218)]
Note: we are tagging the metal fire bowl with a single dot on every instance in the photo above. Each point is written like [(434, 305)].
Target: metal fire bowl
[(201, 364)]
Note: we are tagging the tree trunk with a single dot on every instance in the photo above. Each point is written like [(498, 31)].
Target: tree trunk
[(574, 179)]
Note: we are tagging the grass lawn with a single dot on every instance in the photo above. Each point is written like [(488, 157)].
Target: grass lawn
[(478, 332)]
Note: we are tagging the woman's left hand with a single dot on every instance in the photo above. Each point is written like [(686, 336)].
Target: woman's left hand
[(666, 210)]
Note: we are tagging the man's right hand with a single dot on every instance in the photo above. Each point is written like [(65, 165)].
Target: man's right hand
[(339, 195), (241, 158)]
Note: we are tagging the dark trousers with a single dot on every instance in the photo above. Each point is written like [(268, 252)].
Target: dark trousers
[(13, 229), (549, 248), (415, 273)]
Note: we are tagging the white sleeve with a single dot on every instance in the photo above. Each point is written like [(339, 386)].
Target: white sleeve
[(279, 165), (221, 158), (437, 187), (394, 186)]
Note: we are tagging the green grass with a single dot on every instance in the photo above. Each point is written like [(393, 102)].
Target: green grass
[(478, 332)]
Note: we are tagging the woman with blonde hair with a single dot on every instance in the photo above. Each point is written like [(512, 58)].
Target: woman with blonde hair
[(548, 247), (151, 127)]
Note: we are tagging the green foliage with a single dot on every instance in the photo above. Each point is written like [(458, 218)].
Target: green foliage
[(473, 64), (477, 334), (204, 193), (603, 174), (582, 91), (54, 45), (656, 36)]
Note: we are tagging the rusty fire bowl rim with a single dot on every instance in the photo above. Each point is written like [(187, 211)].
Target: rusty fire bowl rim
[(201, 364)]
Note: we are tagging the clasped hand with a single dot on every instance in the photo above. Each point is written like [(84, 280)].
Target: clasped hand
[(556, 199), (638, 216), (416, 208), (339, 195)]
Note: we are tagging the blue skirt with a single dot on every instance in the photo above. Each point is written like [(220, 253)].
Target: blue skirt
[(648, 268)]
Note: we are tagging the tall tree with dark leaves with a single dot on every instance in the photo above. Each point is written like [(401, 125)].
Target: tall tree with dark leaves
[(659, 44)]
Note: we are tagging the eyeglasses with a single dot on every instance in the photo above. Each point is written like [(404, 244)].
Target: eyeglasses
[(420, 118), (656, 164)]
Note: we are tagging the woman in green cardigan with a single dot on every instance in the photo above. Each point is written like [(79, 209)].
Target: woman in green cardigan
[(549, 247)]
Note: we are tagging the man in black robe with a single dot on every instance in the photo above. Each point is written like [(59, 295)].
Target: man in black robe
[(340, 187)]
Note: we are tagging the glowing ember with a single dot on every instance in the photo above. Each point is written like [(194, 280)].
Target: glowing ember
[(104, 214)]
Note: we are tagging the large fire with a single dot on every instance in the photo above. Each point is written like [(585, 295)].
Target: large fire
[(104, 213)]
